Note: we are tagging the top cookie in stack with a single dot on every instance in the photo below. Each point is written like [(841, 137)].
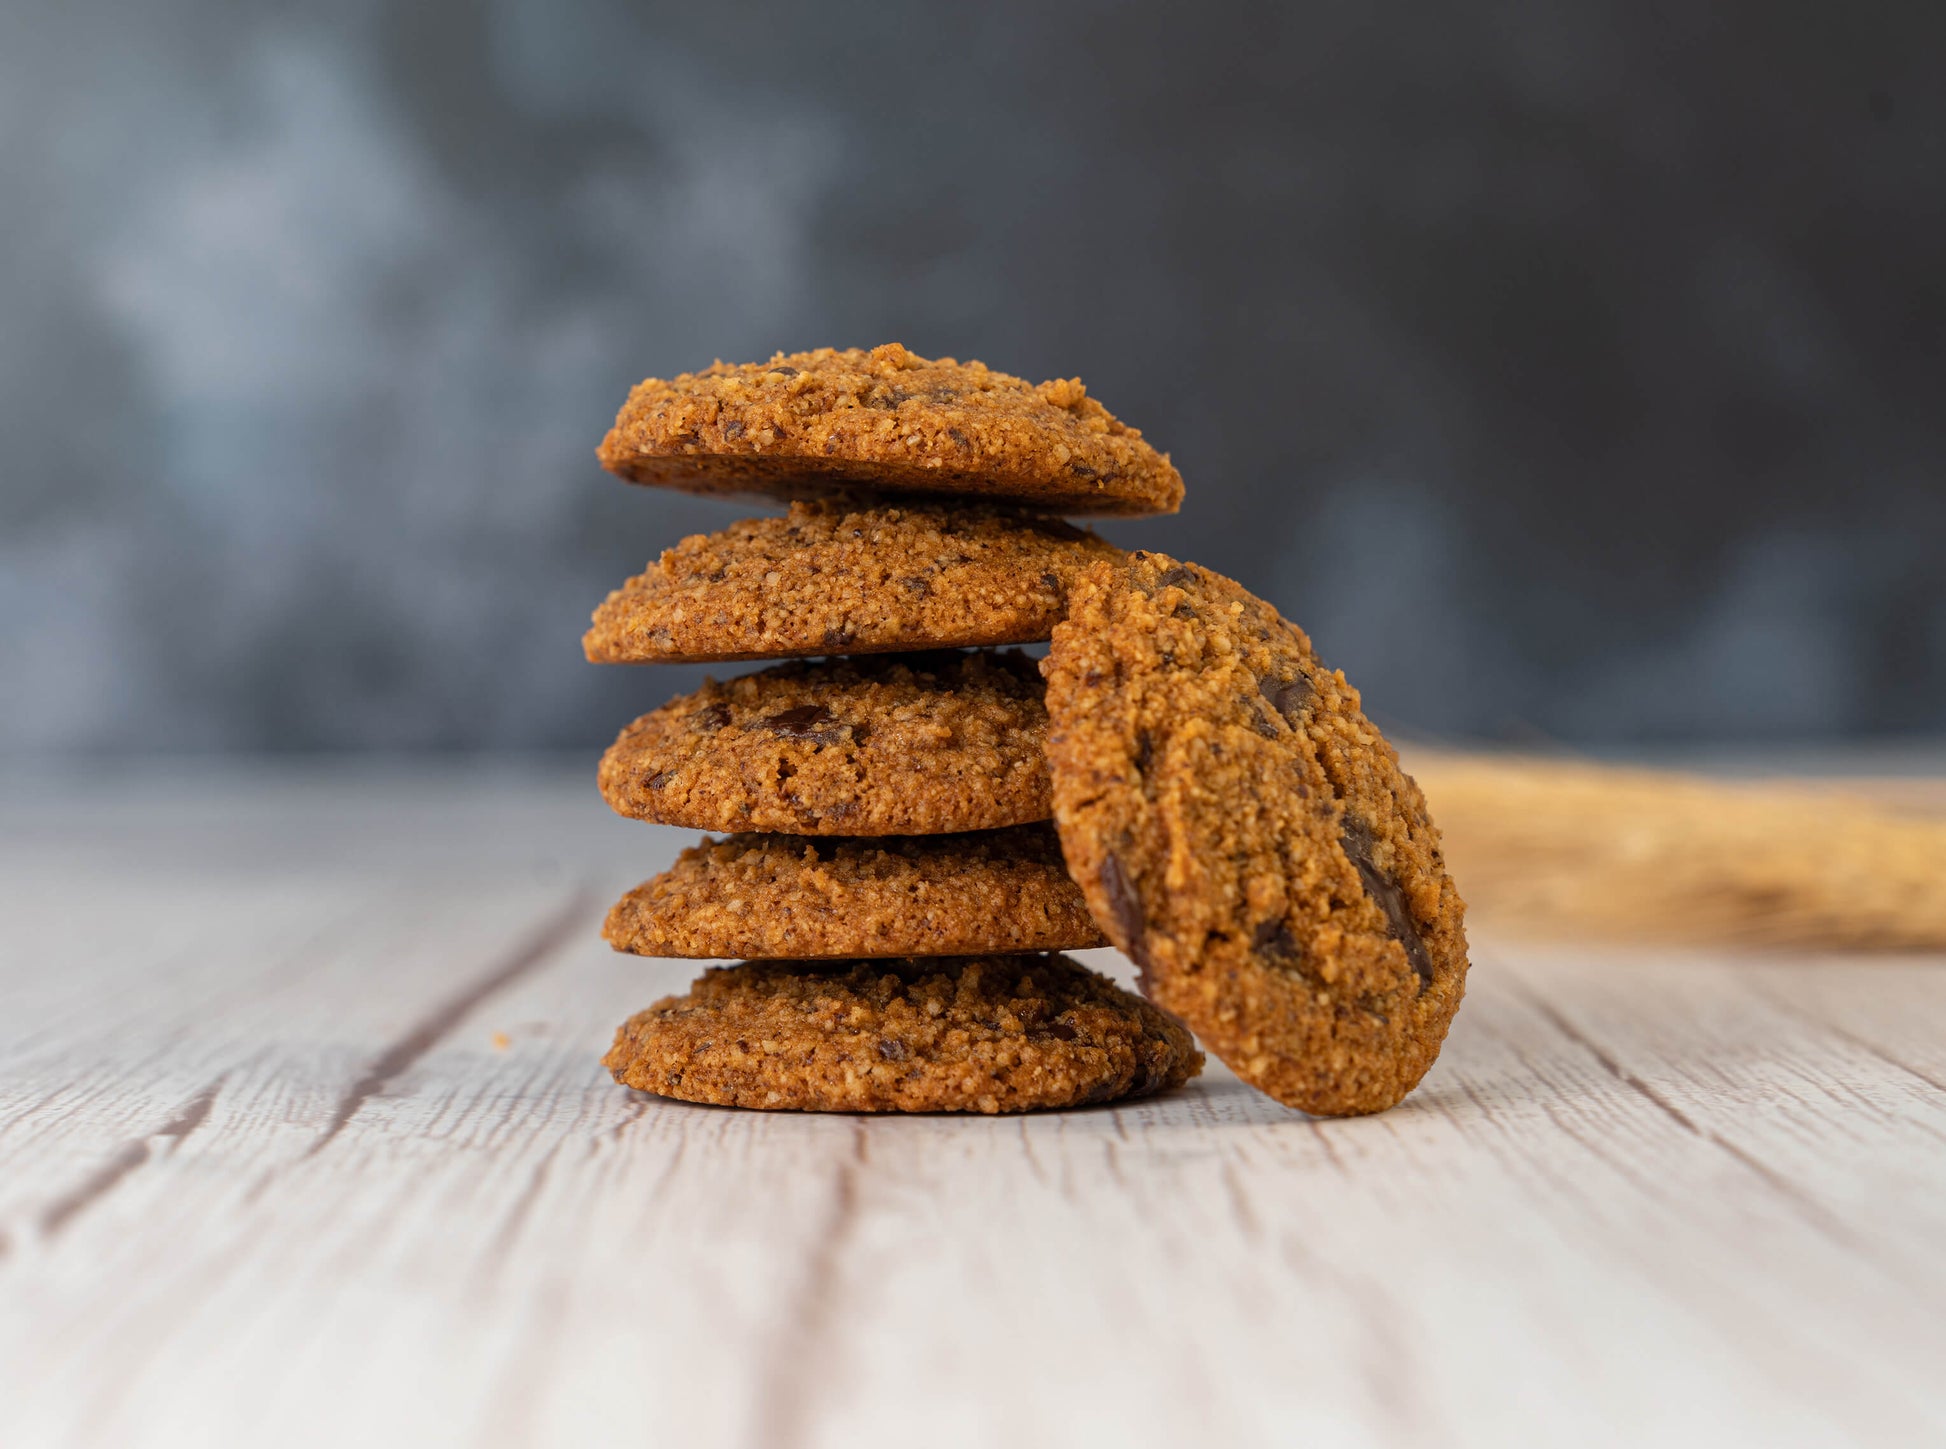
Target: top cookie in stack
[(921, 526), (812, 424)]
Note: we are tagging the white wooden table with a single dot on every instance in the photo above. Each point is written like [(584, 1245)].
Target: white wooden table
[(303, 1141)]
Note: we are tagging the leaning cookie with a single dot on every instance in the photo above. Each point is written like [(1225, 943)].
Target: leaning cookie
[(766, 896), (952, 1034), (909, 744), (838, 579), (812, 423), (1248, 838)]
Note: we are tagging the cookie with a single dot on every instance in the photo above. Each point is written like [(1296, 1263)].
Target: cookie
[(1247, 837), (897, 744), (837, 579), (950, 1034), (812, 423), (800, 896)]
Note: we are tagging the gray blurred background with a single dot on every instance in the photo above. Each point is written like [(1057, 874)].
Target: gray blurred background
[(1572, 371)]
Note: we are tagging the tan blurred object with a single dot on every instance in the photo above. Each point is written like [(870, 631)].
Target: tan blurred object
[(1552, 848)]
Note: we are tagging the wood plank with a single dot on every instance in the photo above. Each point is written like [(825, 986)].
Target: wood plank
[(264, 1171)]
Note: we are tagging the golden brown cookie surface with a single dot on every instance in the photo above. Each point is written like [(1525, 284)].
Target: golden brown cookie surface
[(811, 423), (949, 1034), (833, 578), (768, 896), (1247, 837), (909, 744)]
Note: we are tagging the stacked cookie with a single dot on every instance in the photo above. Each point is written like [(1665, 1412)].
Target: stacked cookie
[(885, 871)]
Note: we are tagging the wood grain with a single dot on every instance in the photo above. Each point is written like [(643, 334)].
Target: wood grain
[(265, 1174)]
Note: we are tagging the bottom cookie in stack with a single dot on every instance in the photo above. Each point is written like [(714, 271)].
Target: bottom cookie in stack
[(895, 974), (931, 1034)]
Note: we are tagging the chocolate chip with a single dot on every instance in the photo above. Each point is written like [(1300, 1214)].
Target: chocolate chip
[(1126, 919), (1083, 470), (661, 778), (1385, 893), (893, 1050), (839, 637), (1061, 1031), (1052, 581), (1178, 576), (810, 722), (734, 428), (916, 586), (1287, 696), (711, 717), (784, 371), (1273, 939), (958, 437)]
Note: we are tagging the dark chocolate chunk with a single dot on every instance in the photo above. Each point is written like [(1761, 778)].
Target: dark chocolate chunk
[(734, 428), (810, 722), (892, 1050), (1124, 903), (1061, 1031), (1129, 922), (783, 370), (1385, 893), (1273, 940), (712, 716), (1179, 577), (839, 636), (1287, 696)]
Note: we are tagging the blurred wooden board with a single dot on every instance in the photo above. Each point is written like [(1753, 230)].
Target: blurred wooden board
[(266, 1175)]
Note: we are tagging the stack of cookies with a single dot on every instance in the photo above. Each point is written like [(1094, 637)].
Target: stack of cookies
[(1222, 811), (884, 870)]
